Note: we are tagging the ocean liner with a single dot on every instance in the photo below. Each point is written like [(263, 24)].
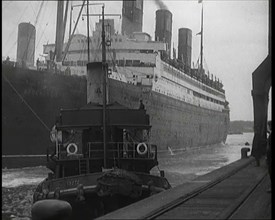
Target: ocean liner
[(187, 106)]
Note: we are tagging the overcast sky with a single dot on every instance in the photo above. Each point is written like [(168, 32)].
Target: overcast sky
[(235, 36)]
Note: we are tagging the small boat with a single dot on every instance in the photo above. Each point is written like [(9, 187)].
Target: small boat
[(97, 178), (101, 154)]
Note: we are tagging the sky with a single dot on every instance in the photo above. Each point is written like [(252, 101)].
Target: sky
[(235, 36)]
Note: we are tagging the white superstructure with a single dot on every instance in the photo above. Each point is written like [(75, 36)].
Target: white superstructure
[(138, 61)]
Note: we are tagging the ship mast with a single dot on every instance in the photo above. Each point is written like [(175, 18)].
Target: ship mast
[(64, 23), (105, 79), (72, 34), (88, 31), (201, 64), (70, 27), (59, 31), (104, 86)]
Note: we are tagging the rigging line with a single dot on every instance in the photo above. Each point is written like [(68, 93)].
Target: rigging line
[(70, 24), (30, 36), (39, 12), (41, 36), (110, 54), (17, 23), (70, 39), (43, 15), (51, 13), (113, 60), (65, 19), (37, 16), (23, 100), (33, 9), (119, 73), (12, 47)]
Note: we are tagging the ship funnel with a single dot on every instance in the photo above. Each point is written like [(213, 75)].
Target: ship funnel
[(163, 31), (185, 46), (95, 73), (25, 44), (132, 16)]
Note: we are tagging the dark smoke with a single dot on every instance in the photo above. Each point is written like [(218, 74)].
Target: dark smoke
[(161, 4)]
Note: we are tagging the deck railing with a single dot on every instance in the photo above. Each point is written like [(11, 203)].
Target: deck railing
[(115, 150)]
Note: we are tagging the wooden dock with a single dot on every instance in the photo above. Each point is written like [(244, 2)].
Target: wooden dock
[(235, 191)]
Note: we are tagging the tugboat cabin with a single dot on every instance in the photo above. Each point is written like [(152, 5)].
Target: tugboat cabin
[(78, 144)]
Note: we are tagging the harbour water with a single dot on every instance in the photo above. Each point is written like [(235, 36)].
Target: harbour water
[(179, 167)]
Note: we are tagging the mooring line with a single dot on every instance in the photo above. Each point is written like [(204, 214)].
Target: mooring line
[(21, 97)]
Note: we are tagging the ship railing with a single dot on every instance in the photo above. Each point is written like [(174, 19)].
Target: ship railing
[(63, 154), (123, 150), (115, 150), (10, 63)]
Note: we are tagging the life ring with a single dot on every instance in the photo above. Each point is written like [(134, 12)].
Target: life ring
[(140, 152), (69, 146)]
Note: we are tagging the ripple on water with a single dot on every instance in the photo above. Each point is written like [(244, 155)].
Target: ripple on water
[(23, 176)]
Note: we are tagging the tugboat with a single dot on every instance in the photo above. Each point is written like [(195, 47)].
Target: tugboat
[(101, 155), (93, 179)]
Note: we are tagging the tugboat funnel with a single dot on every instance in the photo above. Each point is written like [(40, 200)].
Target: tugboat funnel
[(95, 76)]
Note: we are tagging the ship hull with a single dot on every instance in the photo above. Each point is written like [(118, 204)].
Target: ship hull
[(31, 100), (25, 124), (175, 124)]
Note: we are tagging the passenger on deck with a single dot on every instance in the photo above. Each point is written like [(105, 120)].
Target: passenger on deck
[(128, 144), (68, 71), (140, 135), (37, 63), (125, 143), (141, 105), (56, 139)]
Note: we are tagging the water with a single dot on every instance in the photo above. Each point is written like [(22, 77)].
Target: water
[(184, 166), (24, 176), (179, 167)]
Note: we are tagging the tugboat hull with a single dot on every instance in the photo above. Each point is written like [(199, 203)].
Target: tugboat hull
[(95, 194)]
